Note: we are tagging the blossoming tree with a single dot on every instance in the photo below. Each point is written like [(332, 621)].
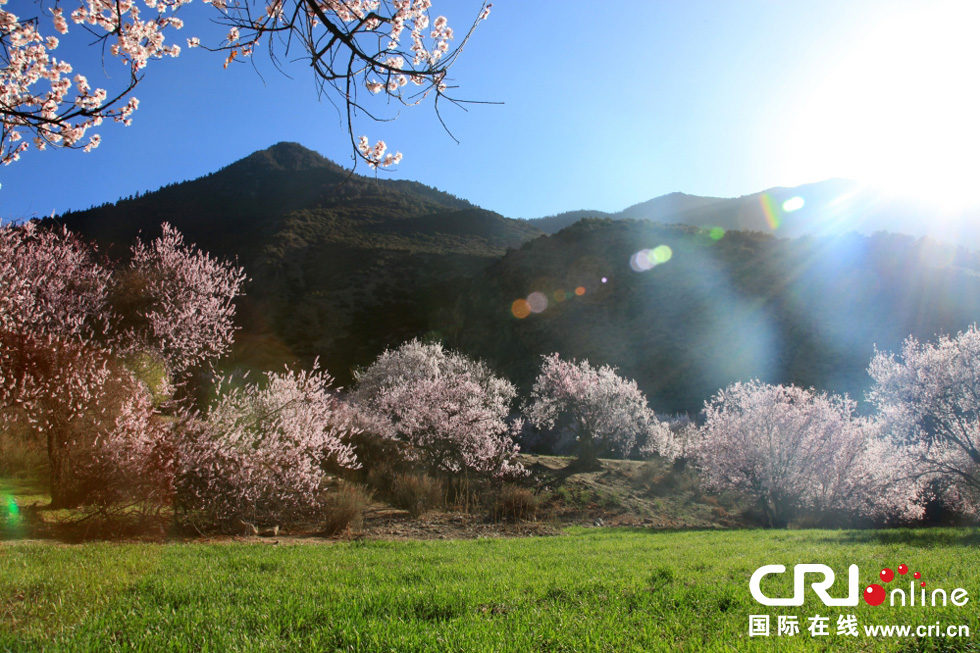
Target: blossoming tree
[(450, 410), (928, 399), (607, 413), (258, 454), (387, 47), (793, 450), (70, 348)]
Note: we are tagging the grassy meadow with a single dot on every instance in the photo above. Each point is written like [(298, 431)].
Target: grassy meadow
[(591, 589)]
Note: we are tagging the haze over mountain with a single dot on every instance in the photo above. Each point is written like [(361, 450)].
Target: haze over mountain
[(344, 266), (831, 207)]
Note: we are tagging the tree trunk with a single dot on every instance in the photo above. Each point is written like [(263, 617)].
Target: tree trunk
[(62, 495), (588, 457)]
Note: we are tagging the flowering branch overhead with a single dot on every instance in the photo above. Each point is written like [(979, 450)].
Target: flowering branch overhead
[(378, 46)]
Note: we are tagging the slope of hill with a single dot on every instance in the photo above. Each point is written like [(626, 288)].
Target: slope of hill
[(344, 266)]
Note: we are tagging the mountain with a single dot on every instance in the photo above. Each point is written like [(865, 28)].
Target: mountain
[(342, 265), (239, 208), (713, 311), (827, 208)]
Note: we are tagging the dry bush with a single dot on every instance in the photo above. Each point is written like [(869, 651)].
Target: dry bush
[(416, 493), (515, 503), (380, 478), (343, 510)]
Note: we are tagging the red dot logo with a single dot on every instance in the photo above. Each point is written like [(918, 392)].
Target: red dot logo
[(922, 584), (916, 575), (874, 594), (886, 575), (902, 569)]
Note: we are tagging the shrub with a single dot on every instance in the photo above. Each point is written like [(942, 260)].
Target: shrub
[(607, 413), (343, 510), (515, 503), (449, 411), (928, 401), (795, 451), (416, 493)]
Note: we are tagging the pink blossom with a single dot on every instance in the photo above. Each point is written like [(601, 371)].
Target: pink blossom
[(259, 453), (928, 401), (38, 101), (84, 348)]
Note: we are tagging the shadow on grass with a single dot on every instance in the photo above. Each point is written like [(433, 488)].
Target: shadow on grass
[(26, 515), (914, 537), (34, 522), (925, 537)]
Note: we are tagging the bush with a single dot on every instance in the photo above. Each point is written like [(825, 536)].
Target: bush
[(416, 493), (797, 452), (380, 478), (514, 503), (343, 510)]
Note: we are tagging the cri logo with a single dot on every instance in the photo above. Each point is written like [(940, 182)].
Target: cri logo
[(873, 594)]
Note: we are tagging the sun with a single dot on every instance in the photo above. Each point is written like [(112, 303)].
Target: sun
[(901, 108)]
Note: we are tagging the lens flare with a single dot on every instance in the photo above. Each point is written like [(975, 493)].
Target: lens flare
[(537, 302), (520, 308), (560, 296), (716, 233), (641, 262), (580, 291), (646, 259), (773, 214), (12, 517), (793, 204)]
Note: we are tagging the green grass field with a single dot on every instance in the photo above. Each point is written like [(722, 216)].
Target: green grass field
[(589, 590)]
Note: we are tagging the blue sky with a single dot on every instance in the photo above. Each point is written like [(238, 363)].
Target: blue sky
[(603, 106)]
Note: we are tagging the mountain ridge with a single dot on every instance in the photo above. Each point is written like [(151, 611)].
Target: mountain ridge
[(833, 206)]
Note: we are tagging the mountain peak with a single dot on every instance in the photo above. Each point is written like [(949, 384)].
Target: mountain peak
[(287, 156)]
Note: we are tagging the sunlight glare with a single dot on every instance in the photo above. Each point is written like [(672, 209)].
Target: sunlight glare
[(899, 110)]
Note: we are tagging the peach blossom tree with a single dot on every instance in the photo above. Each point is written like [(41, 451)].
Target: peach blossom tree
[(259, 453), (607, 413), (796, 451), (68, 350), (928, 398), (449, 410)]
